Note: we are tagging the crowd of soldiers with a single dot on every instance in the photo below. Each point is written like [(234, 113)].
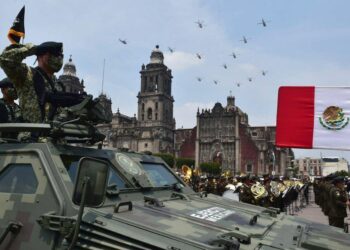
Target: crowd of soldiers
[(267, 191), (331, 194)]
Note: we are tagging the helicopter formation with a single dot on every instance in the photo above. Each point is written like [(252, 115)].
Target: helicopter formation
[(234, 55), (201, 25)]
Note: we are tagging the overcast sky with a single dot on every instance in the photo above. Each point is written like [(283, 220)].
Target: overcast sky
[(304, 43)]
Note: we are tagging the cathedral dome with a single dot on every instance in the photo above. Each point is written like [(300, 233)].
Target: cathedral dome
[(157, 56), (69, 68)]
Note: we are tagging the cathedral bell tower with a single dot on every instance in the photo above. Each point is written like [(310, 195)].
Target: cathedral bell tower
[(155, 105)]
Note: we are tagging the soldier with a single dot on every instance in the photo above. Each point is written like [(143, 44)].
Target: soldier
[(338, 203), (33, 84), (245, 194), (306, 190), (326, 190), (267, 180), (9, 110), (316, 188), (40, 94)]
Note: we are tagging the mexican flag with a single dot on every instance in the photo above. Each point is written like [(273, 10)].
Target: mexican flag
[(313, 117)]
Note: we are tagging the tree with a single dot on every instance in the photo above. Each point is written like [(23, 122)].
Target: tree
[(168, 158), (342, 173), (184, 161), (211, 168)]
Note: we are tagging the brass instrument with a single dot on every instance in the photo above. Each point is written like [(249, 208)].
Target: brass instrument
[(197, 172), (288, 183), (227, 173), (187, 172), (299, 184), (276, 188), (258, 191)]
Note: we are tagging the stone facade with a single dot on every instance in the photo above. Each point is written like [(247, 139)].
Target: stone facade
[(217, 133), (333, 164), (308, 166), (185, 143), (224, 136), (153, 127), (271, 158)]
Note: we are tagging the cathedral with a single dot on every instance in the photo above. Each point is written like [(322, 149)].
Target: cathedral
[(153, 127), (69, 78), (222, 134)]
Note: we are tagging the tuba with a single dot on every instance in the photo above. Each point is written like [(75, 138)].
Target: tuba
[(187, 172)]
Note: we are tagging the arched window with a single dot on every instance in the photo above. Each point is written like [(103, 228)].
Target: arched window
[(156, 105), (149, 114), (156, 116), (143, 107)]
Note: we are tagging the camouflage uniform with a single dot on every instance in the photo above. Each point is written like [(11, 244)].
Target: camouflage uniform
[(327, 189), (23, 78), (337, 211), (316, 192), (9, 113), (13, 112)]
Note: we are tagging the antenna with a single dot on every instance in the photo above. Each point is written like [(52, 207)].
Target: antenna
[(103, 74)]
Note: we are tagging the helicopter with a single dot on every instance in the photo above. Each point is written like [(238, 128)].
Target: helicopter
[(198, 56), (250, 79), (123, 41), (224, 65), (171, 50), (263, 22), (200, 24), (216, 81), (244, 39), (199, 79), (234, 55), (264, 72)]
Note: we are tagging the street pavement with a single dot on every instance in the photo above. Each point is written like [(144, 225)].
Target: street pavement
[(314, 213)]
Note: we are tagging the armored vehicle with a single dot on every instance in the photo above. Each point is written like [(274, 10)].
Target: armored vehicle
[(58, 193)]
